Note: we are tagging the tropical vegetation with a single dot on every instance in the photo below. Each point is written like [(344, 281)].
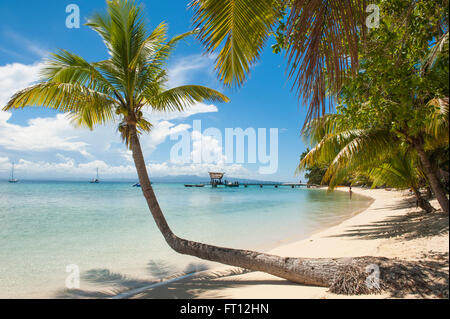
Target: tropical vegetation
[(389, 85), (398, 102)]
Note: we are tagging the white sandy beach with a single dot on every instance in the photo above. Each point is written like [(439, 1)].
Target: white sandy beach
[(391, 227)]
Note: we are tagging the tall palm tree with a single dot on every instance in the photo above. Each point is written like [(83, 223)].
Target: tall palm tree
[(121, 87)]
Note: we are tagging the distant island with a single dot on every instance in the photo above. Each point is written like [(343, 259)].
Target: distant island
[(162, 179)]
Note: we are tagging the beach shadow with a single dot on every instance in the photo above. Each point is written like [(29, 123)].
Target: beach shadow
[(211, 283), (108, 284), (409, 226), (426, 278)]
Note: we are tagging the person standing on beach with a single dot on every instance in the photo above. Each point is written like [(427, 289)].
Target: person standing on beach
[(350, 192)]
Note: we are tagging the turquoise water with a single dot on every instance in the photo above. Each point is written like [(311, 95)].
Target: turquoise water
[(106, 230)]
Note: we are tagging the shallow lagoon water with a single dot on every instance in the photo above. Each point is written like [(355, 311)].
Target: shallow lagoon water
[(107, 231)]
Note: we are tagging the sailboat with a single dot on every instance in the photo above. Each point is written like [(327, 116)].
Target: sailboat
[(96, 179), (12, 179)]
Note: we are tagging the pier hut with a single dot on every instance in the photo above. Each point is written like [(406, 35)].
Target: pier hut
[(216, 178)]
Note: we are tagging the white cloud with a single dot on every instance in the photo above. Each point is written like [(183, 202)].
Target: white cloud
[(69, 168), (4, 161), (160, 131), (57, 134), (206, 148), (183, 70), (16, 76), (41, 134)]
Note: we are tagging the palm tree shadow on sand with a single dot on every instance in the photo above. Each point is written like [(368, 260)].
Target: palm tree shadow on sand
[(426, 277), (415, 224), (107, 284)]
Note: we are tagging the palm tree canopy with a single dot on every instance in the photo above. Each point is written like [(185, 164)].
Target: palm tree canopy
[(321, 38), (237, 29), (400, 170), (345, 149), (121, 87)]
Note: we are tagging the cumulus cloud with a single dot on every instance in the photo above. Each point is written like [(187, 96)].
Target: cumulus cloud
[(41, 134), (161, 130), (66, 167), (101, 147), (16, 76)]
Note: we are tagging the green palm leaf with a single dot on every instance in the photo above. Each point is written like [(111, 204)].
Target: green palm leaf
[(86, 107), (237, 30), (178, 98), (117, 88)]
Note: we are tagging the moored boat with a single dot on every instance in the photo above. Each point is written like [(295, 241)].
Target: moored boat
[(12, 179)]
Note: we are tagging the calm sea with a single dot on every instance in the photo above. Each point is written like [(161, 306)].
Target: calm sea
[(107, 231)]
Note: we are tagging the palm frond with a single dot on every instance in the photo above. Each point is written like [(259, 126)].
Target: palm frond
[(178, 98), (163, 53), (84, 105), (400, 170), (237, 30), (133, 76), (438, 125), (367, 146), (151, 45), (434, 52), (67, 67), (322, 41)]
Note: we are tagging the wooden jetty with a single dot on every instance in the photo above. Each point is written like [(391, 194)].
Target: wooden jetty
[(216, 180), (276, 185)]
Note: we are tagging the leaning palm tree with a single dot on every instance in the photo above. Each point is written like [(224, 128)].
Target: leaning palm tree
[(121, 87)]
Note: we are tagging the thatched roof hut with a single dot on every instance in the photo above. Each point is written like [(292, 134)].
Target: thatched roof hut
[(216, 175)]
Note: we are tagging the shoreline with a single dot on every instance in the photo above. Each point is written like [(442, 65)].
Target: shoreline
[(266, 247), (136, 273), (352, 237), (269, 246)]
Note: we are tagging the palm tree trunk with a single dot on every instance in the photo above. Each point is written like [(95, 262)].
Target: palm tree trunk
[(422, 202), (310, 271), (435, 184), (429, 193)]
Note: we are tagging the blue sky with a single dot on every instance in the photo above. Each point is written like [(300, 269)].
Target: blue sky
[(45, 145)]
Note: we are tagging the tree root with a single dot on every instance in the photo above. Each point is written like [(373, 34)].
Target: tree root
[(426, 278)]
